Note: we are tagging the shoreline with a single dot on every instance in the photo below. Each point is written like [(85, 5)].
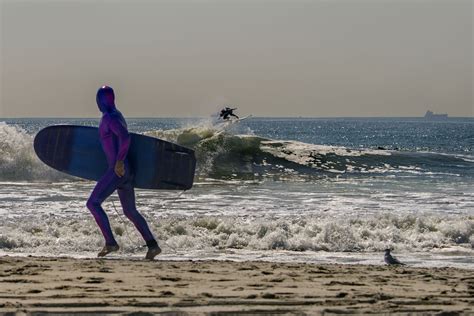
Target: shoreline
[(68, 285), (455, 257)]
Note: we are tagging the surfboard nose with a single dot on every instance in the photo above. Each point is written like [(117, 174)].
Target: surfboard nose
[(51, 146)]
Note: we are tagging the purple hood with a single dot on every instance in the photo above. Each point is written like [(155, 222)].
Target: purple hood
[(106, 99)]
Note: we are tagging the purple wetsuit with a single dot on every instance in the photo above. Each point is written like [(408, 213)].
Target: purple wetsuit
[(115, 142)]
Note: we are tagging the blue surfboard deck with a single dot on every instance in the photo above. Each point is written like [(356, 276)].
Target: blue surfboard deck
[(154, 163)]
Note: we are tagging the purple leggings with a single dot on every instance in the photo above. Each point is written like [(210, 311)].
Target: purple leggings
[(103, 189)]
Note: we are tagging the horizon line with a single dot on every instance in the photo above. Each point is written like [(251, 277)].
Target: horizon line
[(207, 117)]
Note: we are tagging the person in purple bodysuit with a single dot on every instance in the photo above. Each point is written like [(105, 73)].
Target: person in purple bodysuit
[(115, 142)]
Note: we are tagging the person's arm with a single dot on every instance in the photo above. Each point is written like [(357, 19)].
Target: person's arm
[(124, 138)]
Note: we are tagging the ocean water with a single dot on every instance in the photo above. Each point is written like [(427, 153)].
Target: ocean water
[(278, 189)]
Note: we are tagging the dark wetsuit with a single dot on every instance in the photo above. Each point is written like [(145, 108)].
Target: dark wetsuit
[(115, 142), (226, 112)]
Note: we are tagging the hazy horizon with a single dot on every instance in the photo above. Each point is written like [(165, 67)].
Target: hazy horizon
[(252, 116), (187, 58)]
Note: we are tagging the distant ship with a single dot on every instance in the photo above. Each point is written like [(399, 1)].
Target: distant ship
[(432, 116)]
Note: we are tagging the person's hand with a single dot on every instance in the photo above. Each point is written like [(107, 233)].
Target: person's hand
[(119, 168)]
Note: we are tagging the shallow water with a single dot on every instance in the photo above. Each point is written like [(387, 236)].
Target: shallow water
[(267, 189)]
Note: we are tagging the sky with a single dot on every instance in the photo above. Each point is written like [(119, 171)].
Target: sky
[(188, 58)]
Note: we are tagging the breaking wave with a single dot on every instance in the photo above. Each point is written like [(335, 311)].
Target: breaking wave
[(18, 161), (223, 155)]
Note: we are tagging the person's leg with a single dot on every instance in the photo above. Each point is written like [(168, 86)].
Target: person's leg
[(126, 194), (127, 199), (103, 189)]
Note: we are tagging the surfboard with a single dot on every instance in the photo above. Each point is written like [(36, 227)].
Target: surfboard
[(154, 163), (223, 125)]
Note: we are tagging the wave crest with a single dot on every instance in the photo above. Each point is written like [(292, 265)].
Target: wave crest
[(222, 155), (18, 161), (225, 155)]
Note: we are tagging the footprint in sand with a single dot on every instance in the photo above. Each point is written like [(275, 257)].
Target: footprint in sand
[(172, 279), (34, 291), (269, 296), (95, 280), (205, 294)]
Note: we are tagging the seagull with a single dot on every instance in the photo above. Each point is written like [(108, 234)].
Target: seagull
[(389, 259)]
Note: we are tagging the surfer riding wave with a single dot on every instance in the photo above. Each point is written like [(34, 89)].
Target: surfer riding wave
[(227, 112), (115, 140)]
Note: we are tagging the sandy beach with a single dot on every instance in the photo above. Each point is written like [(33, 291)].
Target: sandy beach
[(65, 285)]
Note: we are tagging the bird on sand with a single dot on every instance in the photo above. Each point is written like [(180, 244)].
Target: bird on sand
[(389, 259)]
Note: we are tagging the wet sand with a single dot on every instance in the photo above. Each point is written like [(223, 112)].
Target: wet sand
[(65, 285)]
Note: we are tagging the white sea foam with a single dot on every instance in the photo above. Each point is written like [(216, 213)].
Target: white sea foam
[(407, 233), (337, 216), (18, 160)]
